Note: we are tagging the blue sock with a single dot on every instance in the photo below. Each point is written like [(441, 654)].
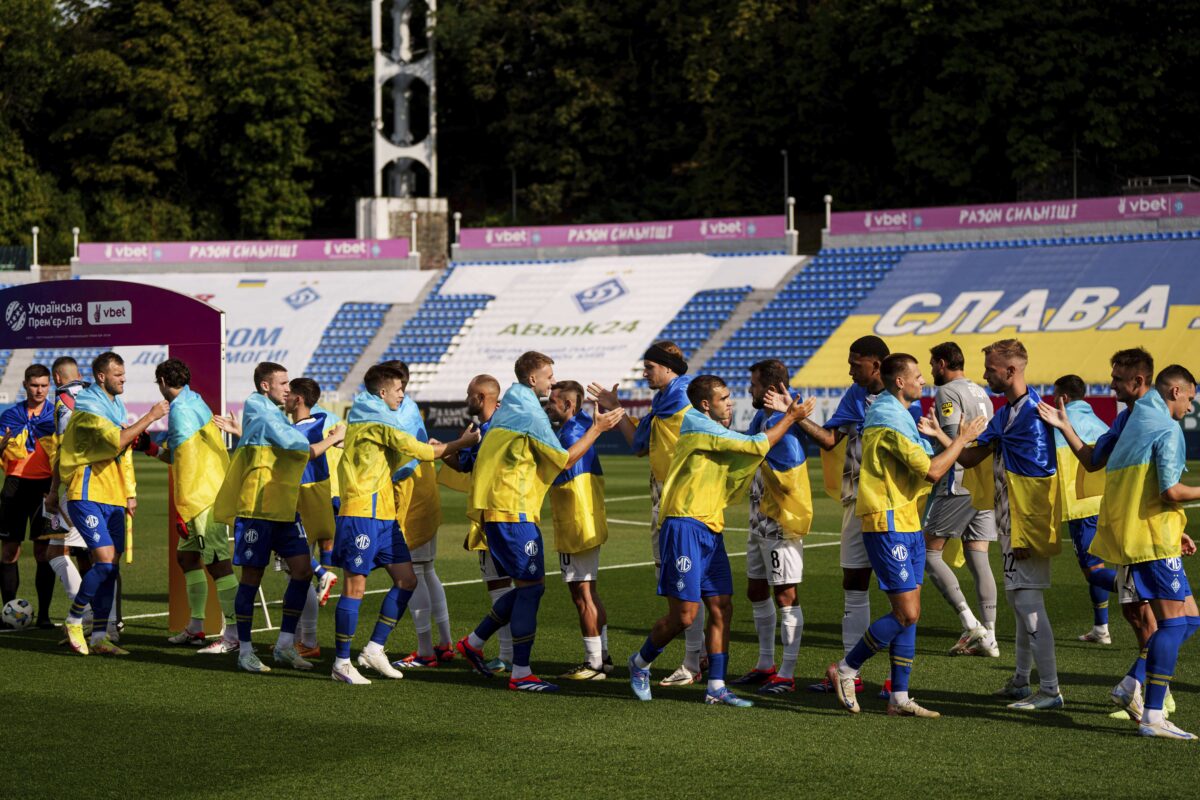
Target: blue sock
[(649, 652), (394, 603), (877, 638), (294, 598), (717, 662), (498, 617), (345, 621), (1193, 626), (326, 558), (318, 569), (902, 650), (102, 601), (1163, 650), (524, 621), (1099, 602), (91, 582), (1138, 670), (243, 609)]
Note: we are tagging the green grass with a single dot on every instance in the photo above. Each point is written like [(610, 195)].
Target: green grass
[(166, 722)]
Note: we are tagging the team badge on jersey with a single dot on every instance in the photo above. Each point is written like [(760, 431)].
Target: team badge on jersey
[(947, 408)]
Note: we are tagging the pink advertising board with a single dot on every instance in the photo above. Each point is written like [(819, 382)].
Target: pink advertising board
[(255, 252), (624, 233)]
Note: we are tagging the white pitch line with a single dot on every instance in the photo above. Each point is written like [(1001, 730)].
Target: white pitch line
[(623, 498)]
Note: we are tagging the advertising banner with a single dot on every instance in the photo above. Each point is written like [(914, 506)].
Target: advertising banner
[(624, 233), (303, 250)]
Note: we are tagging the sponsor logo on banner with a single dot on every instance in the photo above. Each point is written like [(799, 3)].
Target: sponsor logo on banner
[(54, 315), (600, 294), (113, 312), (233, 252), (302, 297), (693, 230)]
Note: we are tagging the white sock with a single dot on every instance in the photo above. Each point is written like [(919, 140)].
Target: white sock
[(715, 686), (591, 651), (246, 648), (285, 641), (68, 575), (504, 635), (694, 642), (195, 625), (338, 663), (475, 641), (1030, 606), (967, 618), (307, 626), (856, 617), (604, 641), (521, 672), (898, 698), (639, 661), (1130, 684), (437, 604), (418, 609), (1100, 628), (791, 628), (764, 625), (1153, 716), (845, 670), (373, 649)]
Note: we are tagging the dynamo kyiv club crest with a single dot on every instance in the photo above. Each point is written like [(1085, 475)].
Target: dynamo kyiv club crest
[(600, 294)]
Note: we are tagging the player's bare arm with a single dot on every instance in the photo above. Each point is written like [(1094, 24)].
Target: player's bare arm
[(470, 437), (944, 461), (1056, 417), (607, 400), (795, 412), (973, 456), (929, 426), (605, 421), (157, 411), (336, 435), (779, 400)]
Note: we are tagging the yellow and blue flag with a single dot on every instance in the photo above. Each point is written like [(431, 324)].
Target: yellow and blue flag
[(263, 481), (318, 499), (712, 468), (658, 431), (418, 504), (1026, 449), (518, 461), (375, 446), (30, 448), (895, 461), (1079, 488), (1135, 523), (196, 452), (787, 493), (90, 456), (577, 496)]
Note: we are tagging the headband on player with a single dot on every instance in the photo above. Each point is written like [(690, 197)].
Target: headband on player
[(671, 362)]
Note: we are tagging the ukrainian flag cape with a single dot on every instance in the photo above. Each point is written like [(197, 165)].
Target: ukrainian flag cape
[(1135, 523), (94, 432), (1080, 489), (263, 481), (518, 461), (884, 485), (418, 504), (658, 431), (317, 501), (27, 432), (196, 453), (787, 493), (577, 496), (375, 447), (712, 468), (1030, 472), (408, 416)]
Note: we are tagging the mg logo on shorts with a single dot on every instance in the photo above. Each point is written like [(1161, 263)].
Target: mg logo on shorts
[(362, 541), (91, 521), (683, 564), (1175, 564), (531, 548), (900, 552), (251, 535)]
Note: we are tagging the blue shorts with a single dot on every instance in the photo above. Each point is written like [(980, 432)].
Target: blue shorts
[(100, 524), (1082, 533), (361, 544), (694, 563), (1163, 579), (897, 558), (254, 539), (516, 549)]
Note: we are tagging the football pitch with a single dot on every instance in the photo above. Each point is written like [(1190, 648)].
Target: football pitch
[(166, 722)]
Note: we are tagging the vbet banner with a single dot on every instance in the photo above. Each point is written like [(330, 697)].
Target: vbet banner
[(1011, 215), (624, 233), (226, 252), (279, 316), (1072, 307), (595, 319)]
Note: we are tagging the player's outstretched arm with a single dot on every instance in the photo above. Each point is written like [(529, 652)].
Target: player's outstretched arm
[(780, 400), (451, 459), (1181, 493), (336, 435), (229, 424), (604, 421), (1056, 417), (607, 400), (157, 411), (449, 450), (795, 412), (928, 426), (943, 462)]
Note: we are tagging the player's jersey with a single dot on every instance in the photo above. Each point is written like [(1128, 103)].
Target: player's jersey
[(415, 485), (713, 467), (658, 431), (577, 496), (517, 461), (196, 452), (1135, 523), (91, 462), (895, 461), (263, 481), (1027, 496), (476, 540), (1078, 502), (318, 498), (31, 441), (847, 419), (374, 448), (780, 494), (956, 402)]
